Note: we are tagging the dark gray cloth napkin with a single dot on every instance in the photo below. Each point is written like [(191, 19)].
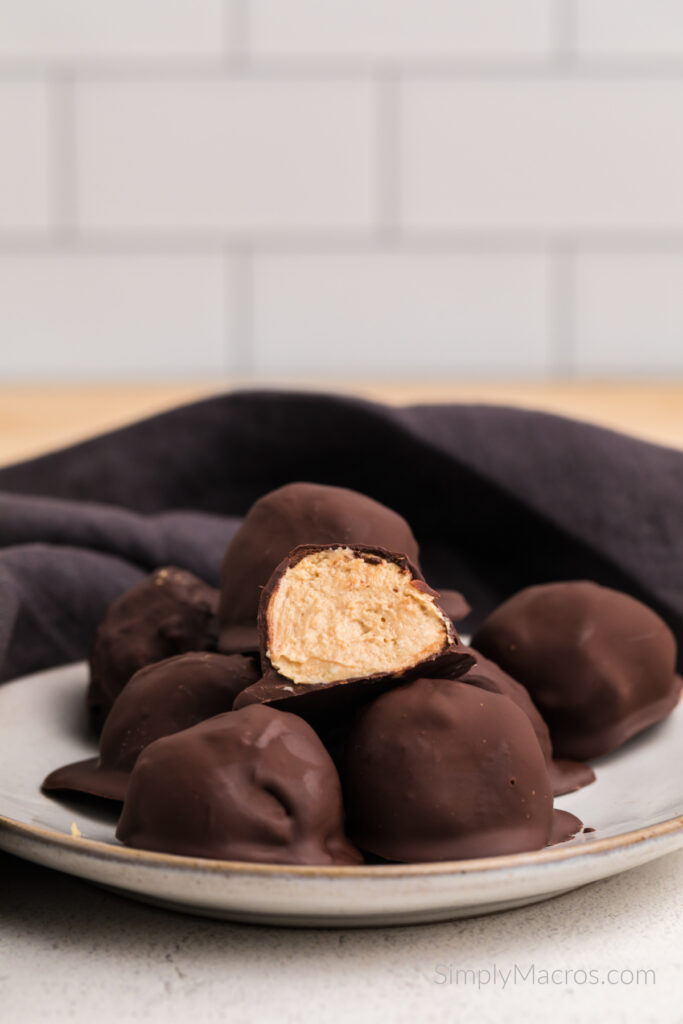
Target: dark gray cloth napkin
[(498, 498)]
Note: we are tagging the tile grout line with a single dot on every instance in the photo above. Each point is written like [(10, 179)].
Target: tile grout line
[(388, 157), (236, 33), (562, 311), (469, 240), (64, 183), (243, 65), (239, 306), (565, 36)]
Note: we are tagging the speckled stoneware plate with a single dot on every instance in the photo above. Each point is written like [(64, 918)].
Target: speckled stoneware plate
[(636, 808)]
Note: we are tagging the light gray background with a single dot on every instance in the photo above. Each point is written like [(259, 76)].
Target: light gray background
[(282, 187)]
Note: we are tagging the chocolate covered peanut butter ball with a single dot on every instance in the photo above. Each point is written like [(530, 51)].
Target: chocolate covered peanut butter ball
[(598, 664), (159, 700), (486, 675), (337, 620), (296, 514), (442, 770), (251, 785), (566, 776), (171, 612)]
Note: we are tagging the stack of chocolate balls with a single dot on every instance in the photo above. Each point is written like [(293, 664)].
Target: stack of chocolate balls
[(321, 709)]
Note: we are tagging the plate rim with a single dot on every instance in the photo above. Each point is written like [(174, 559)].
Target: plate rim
[(125, 856), (99, 850)]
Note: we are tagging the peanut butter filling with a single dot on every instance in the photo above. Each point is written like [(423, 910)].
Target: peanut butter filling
[(336, 615)]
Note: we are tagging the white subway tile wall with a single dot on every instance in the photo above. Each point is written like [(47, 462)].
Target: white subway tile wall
[(79, 314), (25, 191), (406, 311), (631, 27), (400, 28), (225, 156), (81, 29), (630, 312), (567, 156), (391, 188)]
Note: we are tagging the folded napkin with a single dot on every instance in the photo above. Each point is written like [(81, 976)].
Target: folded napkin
[(498, 499)]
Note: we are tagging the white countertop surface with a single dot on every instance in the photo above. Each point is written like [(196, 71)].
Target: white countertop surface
[(72, 952)]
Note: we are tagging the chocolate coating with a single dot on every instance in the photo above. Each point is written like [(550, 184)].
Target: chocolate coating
[(298, 513), (442, 770), (160, 699), (488, 676), (316, 700), (171, 612), (598, 664), (454, 604), (251, 785), (566, 776)]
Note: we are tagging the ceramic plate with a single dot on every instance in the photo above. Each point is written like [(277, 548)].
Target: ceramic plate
[(636, 808)]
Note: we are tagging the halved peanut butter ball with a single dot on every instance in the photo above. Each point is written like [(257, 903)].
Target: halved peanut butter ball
[(303, 513), (337, 611), (332, 615)]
